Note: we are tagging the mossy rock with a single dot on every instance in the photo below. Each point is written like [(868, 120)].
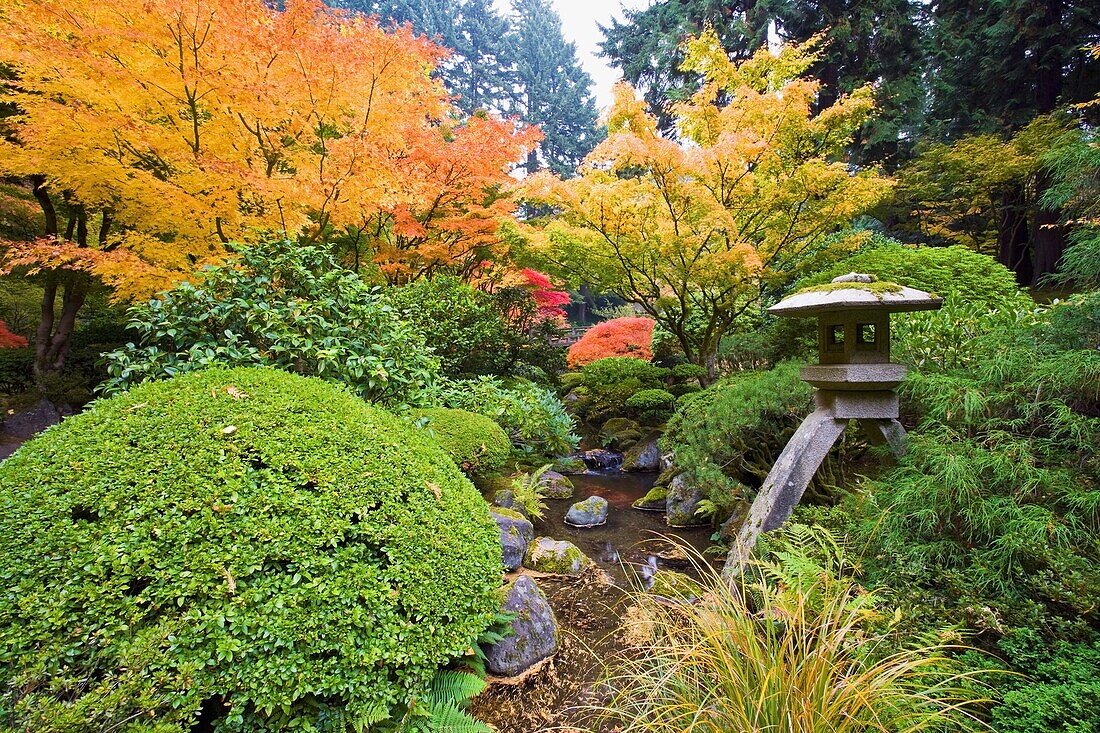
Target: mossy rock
[(569, 465), (654, 501), (554, 485), (560, 557), (240, 534), (645, 455), (674, 585)]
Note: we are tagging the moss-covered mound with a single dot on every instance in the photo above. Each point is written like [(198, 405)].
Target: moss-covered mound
[(474, 442), (263, 547)]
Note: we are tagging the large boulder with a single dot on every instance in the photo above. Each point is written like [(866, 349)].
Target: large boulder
[(547, 555), (554, 485), (645, 455), (591, 512), (683, 500), (515, 533), (534, 631)]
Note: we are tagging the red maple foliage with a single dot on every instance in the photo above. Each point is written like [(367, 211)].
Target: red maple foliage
[(9, 340), (617, 337)]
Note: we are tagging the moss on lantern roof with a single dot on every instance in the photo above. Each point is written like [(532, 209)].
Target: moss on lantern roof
[(878, 287)]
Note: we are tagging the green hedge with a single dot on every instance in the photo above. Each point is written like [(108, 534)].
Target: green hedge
[(474, 442), (246, 538)]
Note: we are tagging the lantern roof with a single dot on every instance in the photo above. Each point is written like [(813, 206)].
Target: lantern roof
[(855, 291)]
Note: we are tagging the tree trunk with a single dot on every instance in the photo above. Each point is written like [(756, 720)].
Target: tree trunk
[(1012, 234), (54, 333), (1048, 241)]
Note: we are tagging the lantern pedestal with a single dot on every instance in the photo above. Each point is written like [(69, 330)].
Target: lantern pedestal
[(855, 380)]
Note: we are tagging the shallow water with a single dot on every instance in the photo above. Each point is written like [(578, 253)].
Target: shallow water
[(630, 537)]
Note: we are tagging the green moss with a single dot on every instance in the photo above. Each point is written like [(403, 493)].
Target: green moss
[(877, 288), (246, 534), (569, 560), (474, 442), (510, 513), (569, 465)]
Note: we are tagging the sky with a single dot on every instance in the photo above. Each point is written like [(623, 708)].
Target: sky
[(580, 21)]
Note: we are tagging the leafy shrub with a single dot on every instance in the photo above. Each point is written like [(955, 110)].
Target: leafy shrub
[(687, 372), (526, 494), (570, 380), (656, 403), (474, 442), (533, 416), (626, 337), (461, 324), (614, 379), (1058, 690), (285, 305), (245, 541), (16, 370), (787, 651)]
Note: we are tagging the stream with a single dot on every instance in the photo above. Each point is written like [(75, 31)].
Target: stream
[(589, 608)]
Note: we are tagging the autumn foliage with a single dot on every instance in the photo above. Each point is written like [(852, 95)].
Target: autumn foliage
[(697, 229), (153, 132), (9, 340), (618, 337)]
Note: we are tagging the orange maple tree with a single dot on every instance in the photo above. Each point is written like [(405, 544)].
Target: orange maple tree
[(632, 337), (153, 132)]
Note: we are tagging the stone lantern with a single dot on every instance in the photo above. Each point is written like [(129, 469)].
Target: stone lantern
[(854, 380)]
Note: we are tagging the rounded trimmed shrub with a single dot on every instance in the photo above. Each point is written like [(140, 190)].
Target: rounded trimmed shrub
[(474, 442), (246, 545), (651, 399)]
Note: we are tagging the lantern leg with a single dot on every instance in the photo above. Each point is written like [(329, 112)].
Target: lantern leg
[(785, 484), (888, 432)]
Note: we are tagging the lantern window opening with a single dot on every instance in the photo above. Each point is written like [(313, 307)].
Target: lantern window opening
[(866, 334), (836, 337)]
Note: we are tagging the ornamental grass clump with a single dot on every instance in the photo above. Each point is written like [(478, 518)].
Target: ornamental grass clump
[(779, 654), (259, 549)]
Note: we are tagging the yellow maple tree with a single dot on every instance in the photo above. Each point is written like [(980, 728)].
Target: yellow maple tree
[(152, 132), (698, 230)]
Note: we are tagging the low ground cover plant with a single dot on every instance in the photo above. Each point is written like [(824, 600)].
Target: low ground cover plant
[(262, 550)]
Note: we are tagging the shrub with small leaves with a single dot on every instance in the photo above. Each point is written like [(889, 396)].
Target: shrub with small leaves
[(474, 442), (533, 416), (652, 402), (248, 542)]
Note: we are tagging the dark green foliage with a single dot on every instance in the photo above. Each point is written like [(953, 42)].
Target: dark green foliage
[(16, 370), (475, 333), (1000, 491), (728, 436), (461, 324), (533, 416), (1059, 690), (877, 41), (646, 45), (279, 304), (1074, 168), (474, 442), (614, 379), (552, 90), (244, 537), (653, 404)]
